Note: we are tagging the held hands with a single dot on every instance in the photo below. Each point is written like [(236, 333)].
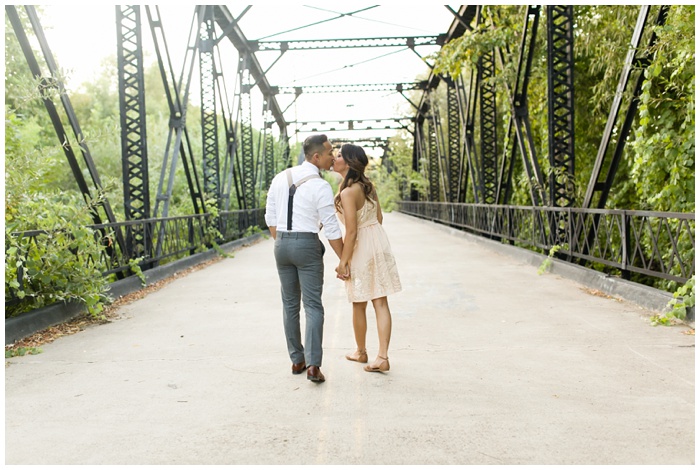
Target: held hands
[(343, 271)]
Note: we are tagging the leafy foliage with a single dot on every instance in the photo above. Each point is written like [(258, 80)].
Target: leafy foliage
[(547, 262), (663, 172), (400, 170), (21, 351), (664, 133), (683, 299), (60, 262)]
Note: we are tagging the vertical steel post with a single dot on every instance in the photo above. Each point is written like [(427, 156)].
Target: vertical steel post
[(210, 137), (132, 111), (415, 161), (440, 157), (489, 124), (433, 157), (454, 143), (560, 81), (247, 156), (269, 158)]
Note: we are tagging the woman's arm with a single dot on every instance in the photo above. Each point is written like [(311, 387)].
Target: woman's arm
[(374, 195), (349, 205)]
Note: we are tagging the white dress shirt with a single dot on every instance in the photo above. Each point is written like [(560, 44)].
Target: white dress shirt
[(313, 203)]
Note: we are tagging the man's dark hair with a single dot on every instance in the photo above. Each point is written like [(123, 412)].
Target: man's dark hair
[(313, 144)]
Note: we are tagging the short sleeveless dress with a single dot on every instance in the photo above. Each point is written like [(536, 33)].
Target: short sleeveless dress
[(373, 271)]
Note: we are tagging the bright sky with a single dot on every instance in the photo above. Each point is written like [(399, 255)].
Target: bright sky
[(81, 36)]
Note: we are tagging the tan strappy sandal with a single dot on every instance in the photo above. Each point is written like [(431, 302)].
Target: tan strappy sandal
[(382, 367), (357, 356)]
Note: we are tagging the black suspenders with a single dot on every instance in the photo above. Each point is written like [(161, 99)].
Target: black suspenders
[(293, 189)]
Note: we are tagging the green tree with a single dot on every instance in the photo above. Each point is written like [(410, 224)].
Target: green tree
[(663, 171)]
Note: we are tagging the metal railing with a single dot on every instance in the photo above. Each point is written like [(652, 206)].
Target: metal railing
[(660, 245), (153, 241)]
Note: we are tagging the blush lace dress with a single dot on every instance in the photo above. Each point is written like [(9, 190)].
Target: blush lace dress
[(373, 271)]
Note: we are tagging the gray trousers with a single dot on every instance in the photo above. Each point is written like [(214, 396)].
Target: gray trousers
[(299, 257)]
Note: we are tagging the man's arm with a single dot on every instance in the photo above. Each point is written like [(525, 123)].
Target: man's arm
[(326, 213), (271, 209)]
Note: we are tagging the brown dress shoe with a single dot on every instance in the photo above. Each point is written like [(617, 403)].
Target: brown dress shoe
[(298, 368), (314, 374)]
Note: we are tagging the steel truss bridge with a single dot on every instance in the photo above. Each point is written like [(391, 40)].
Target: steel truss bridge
[(460, 152)]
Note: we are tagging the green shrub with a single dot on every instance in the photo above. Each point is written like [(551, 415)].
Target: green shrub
[(62, 261)]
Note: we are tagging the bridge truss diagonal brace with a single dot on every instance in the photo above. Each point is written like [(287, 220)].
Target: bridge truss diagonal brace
[(520, 118), (632, 61), (469, 168), (177, 92), (54, 82)]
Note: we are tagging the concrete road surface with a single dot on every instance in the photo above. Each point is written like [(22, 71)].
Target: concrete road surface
[(491, 363)]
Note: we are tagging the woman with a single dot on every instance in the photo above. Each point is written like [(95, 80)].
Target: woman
[(367, 264)]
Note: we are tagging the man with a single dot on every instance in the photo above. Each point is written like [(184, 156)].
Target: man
[(297, 201)]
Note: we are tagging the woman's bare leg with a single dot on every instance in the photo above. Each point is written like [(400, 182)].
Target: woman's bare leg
[(359, 327), (381, 309)]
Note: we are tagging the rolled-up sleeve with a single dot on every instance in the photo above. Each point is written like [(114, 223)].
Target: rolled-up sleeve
[(326, 212)]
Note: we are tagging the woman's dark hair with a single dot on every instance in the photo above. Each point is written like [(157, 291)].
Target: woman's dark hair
[(356, 160)]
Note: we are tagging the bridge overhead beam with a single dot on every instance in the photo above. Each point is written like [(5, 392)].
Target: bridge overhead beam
[(349, 88), (353, 125), (369, 142), (232, 31), (311, 44)]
